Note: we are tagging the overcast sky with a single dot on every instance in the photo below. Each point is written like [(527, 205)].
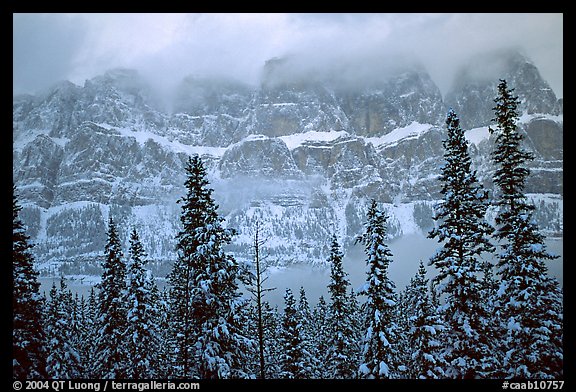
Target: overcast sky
[(166, 47)]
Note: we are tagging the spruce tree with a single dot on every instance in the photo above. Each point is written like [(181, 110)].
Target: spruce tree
[(84, 331), (273, 351), (109, 357), (63, 361), (87, 346), (404, 310), (491, 336), (341, 353), (292, 358), (530, 301), (424, 328), (379, 352), (28, 337), (164, 355), (141, 338), (464, 234), (78, 327), (322, 337), (204, 288), (257, 289), (311, 363)]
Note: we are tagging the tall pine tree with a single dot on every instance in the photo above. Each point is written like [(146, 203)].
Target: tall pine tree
[(257, 289), (28, 337), (464, 233), (141, 338), (424, 329), (341, 354), (312, 365), (530, 301), (63, 360), (293, 361), (83, 330), (109, 357), (379, 354), (204, 288)]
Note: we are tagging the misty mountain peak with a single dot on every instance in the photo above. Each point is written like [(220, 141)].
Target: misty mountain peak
[(303, 156), (476, 83)]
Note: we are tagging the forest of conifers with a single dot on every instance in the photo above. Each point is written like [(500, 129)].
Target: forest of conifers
[(473, 319)]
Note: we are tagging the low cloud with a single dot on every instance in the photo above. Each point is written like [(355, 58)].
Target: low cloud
[(168, 47)]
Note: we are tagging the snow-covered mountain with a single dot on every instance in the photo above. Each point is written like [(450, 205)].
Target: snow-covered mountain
[(303, 156)]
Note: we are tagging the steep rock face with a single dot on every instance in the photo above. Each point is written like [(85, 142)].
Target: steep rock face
[(38, 169), (303, 157), (545, 137), (415, 161), (475, 87), (378, 109), (259, 156), (288, 109), (214, 111)]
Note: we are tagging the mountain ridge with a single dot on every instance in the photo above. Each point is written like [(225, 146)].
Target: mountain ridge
[(301, 158)]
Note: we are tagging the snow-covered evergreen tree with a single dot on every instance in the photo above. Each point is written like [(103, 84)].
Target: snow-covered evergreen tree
[(63, 361), (164, 354), (109, 356), (341, 354), (141, 338), (84, 332), (272, 322), (78, 327), (464, 234), (404, 311), (311, 362), (424, 328), (256, 287), (379, 354), (293, 363), (491, 336), (204, 288), (530, 302), (28, 337), (322, 337)]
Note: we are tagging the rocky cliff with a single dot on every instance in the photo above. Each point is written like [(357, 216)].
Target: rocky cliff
[(302, 156)]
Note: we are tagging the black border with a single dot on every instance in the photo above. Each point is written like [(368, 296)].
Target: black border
[(433, 7)]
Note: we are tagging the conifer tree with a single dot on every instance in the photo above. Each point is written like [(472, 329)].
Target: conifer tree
[(292, 357), (379, 353), (491, 335), (164, 355), (341, 353), (141, 338), (464, 234), (63, 361), (322, 338), (272, 323), (109, 357), (83, 334), (404, 311), (530, 302), (204, 288), (424, 329), (311, 363), (87, 346), (256, 287), (28, 337)]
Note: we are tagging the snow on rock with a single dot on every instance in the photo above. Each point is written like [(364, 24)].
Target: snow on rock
[(296, 140), (412, 131), (304, 160), (477, 135)]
